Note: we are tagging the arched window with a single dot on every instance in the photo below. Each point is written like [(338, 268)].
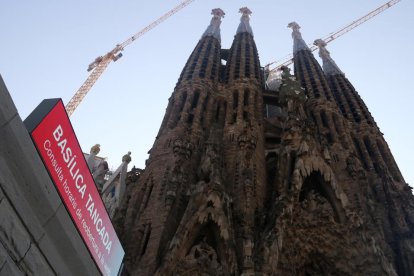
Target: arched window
[(147, 234), (324, 119), (246, 97)]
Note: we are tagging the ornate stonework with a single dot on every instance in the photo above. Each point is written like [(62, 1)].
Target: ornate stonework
[(309, 188)]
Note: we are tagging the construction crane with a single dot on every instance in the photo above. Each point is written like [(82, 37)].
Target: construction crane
[(98, 66), (288, 60)]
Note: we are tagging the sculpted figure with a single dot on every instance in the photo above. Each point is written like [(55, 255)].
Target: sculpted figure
[(177, 145), (95, 149), (210, 166), (353, 165), (204, 256), (303, 148), (127, 157)]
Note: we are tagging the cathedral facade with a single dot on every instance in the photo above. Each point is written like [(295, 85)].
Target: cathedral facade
[(246, 178)]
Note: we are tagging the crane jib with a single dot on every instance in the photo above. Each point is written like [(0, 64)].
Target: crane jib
[(101, 63)]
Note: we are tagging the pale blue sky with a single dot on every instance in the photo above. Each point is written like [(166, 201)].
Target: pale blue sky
[(47, 46)]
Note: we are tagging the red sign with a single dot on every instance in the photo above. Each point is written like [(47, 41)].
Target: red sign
[(56, 142)]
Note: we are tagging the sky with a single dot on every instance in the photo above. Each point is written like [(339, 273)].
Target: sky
[(47, 45)]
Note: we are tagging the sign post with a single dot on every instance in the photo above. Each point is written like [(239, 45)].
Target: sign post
[(56, 142)]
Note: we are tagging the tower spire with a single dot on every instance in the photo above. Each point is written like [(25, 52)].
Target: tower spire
[(329, 65), (298, 42), (214, 28), (244, 26)]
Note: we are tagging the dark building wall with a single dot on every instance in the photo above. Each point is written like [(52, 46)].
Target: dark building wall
[(37, 236), (301, 191)]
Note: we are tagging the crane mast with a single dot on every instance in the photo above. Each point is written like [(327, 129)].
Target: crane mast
[(99, 65), (288, 60)]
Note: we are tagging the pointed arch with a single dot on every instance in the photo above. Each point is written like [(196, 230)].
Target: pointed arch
[(209, 222), (316, 184), (312, 173)]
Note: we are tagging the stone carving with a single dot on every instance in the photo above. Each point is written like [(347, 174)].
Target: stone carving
[(314, 201), (210, 170), (177, 178), (127, 157), (386, 174), (291, 94), (202, 251), (326, 154), (247, 252), (355, 219), (248, 178), (291, 137), (269, 224), (353, 165), (214, 28), (183, 148), (95, 149), (303, 148), (201, 260), (246, 140), (244, 25), (134, 174)]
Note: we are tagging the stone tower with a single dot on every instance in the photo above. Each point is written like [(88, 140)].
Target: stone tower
[(247, 180)]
